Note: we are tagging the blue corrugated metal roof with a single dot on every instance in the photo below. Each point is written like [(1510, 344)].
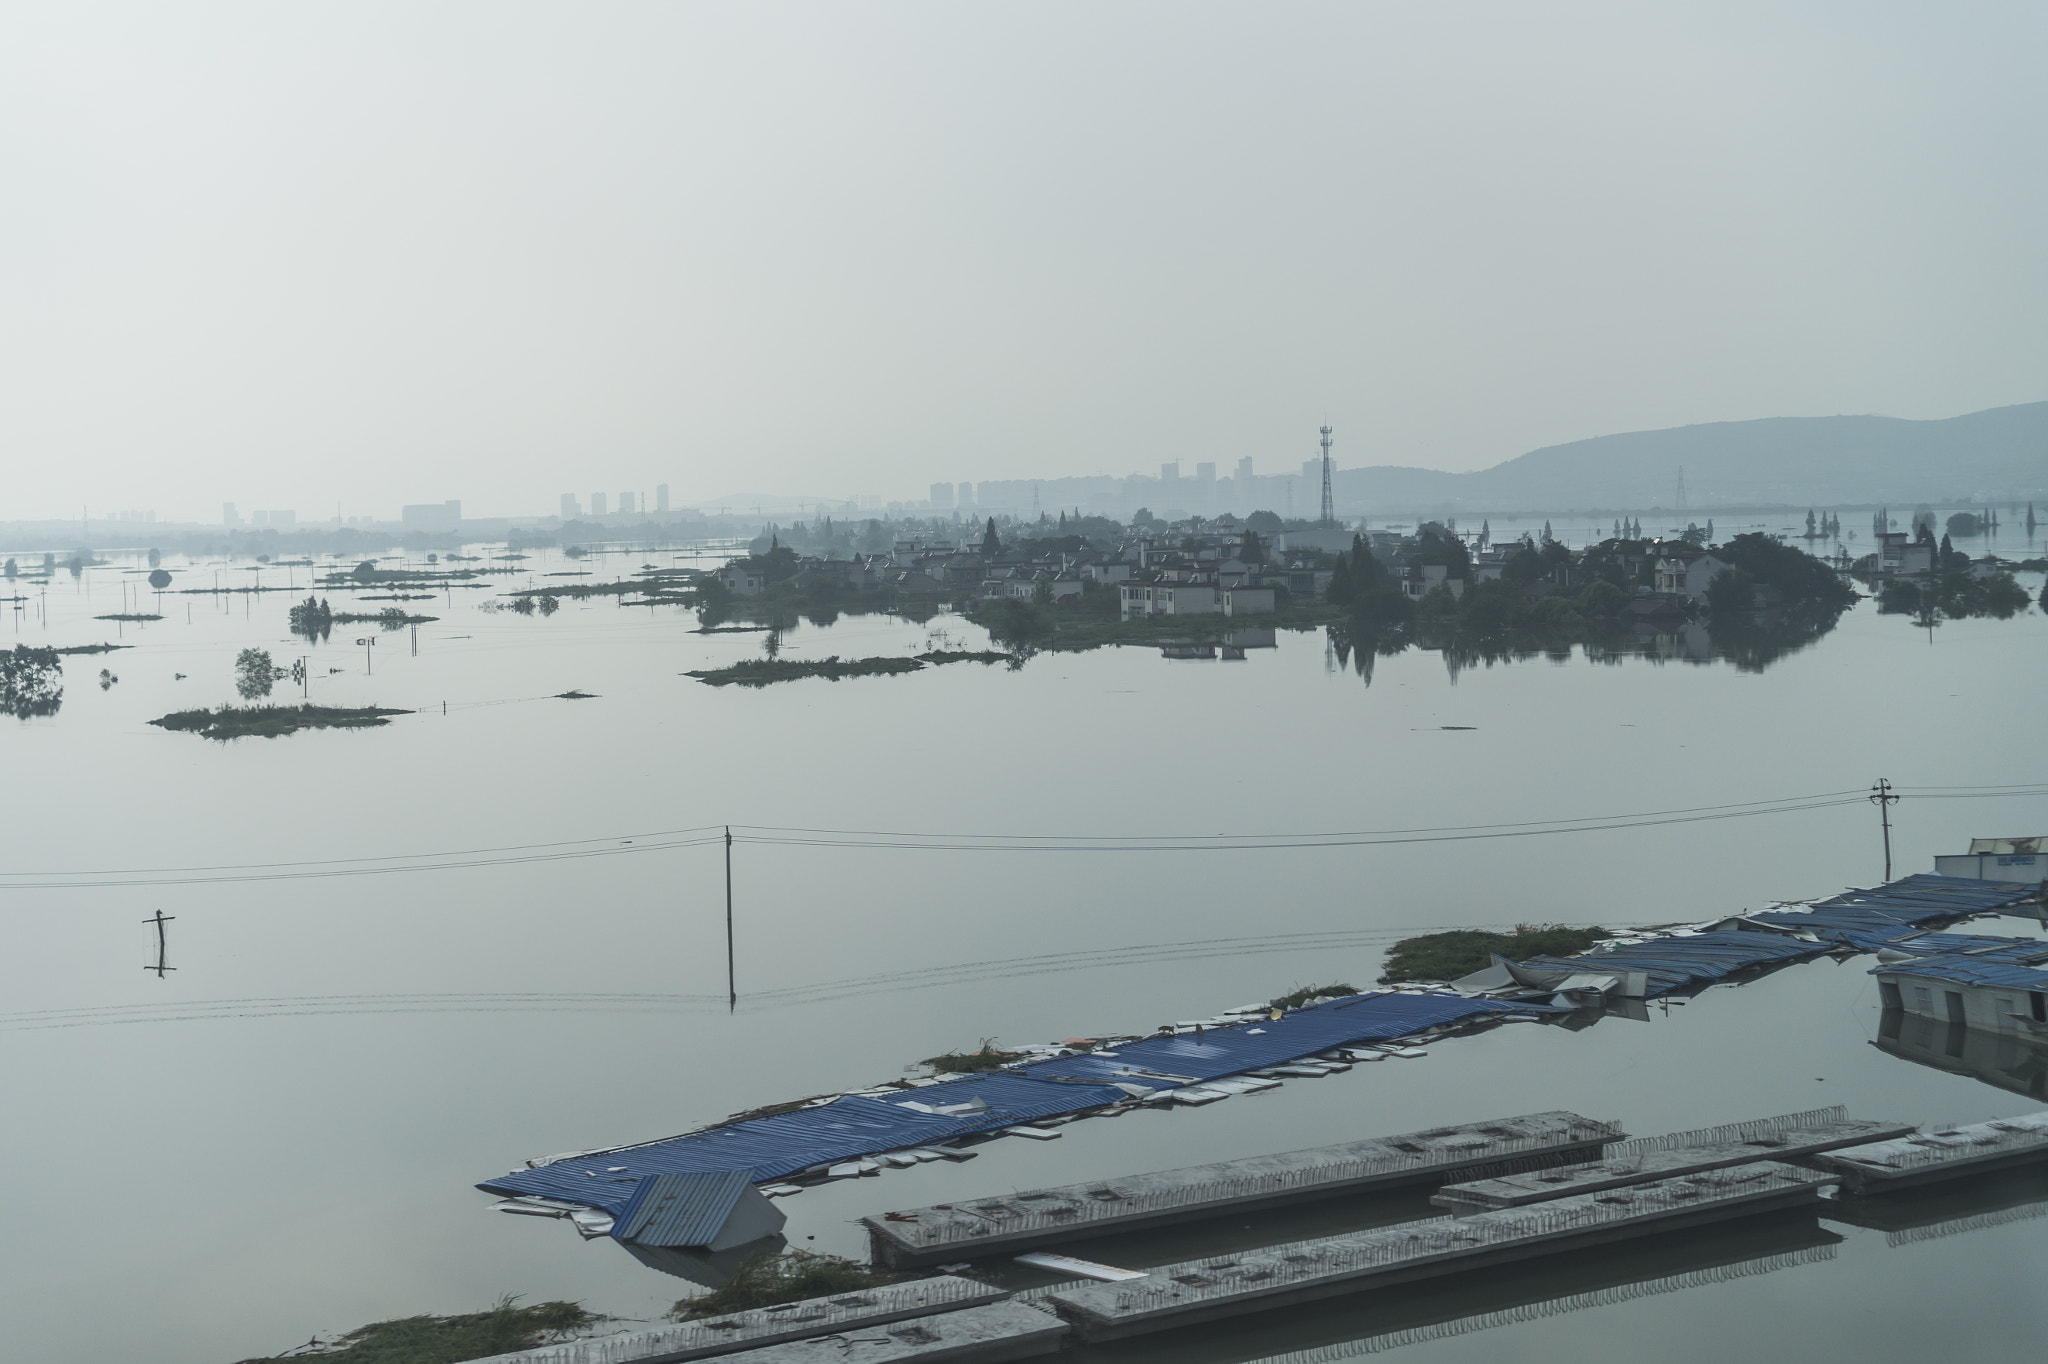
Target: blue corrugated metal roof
[(1896, 906), (1970, 971), (859, 1125), (1673, 964), (1216, 1052), (681, 1209), (778, 1146), (2013, 951)]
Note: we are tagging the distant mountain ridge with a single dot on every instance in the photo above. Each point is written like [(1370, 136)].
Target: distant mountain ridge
[(2000, 454)]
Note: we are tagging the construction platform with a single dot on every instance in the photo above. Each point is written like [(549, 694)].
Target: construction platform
[(1791, 1136), (1945, 1153), (744, 1333), (1304, 1271), (948, 1232)]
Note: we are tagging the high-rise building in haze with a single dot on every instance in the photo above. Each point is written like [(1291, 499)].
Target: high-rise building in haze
[(597, 504), (661, 497), (571, 508), (625, 504), (942, 495), (1244, 471), (966, 495), (227, 515), (1170, 472)]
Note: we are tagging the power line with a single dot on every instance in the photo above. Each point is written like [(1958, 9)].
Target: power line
[(911, 841)]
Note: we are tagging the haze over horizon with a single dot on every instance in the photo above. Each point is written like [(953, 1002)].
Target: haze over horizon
[(379, 255)]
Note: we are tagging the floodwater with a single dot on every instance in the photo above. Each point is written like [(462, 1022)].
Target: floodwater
[(280, 1135)]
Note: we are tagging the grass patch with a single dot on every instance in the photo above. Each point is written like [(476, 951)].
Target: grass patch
[(1446, 956), (447, 1340), (129, 615), (759, 672), (94, 648), (967, 656), (575, 696), (973, 1062), (769, 1278), (1297, 998), (391, 617), (270, 722)]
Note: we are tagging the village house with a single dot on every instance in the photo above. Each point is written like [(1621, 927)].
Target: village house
[(1686, 573)]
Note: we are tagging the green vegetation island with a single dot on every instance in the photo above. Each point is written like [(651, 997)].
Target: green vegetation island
[(272, 722)]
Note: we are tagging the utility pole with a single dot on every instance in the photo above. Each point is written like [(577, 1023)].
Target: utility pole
[(160, 920), (367, 641), (732, 992), (1882, 796)]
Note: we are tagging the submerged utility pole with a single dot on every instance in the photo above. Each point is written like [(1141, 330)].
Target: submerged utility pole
[(160, 919), (1882, 797), (732, 992)]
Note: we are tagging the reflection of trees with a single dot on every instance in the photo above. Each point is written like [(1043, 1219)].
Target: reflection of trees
[(1751, 641), (31, 682)]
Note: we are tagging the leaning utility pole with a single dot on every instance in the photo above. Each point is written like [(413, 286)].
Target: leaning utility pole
[(1329, 505), (732, 991), (162, 957), (1882, 797)]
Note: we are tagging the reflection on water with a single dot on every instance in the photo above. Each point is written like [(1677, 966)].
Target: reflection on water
[(1953, 1208), (1388, 1319), (1750, 641), (2005, 1059), (706, 1268)]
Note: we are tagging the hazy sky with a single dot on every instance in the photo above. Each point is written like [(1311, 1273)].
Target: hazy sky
[(293, 255)]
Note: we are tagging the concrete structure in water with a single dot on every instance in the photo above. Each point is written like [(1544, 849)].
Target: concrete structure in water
[(745, 1334), (1208, 1290), (1793, 1136), (1012, 1223), (1945, 1153)]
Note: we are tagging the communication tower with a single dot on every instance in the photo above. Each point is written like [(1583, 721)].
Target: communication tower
[(1329, 506)]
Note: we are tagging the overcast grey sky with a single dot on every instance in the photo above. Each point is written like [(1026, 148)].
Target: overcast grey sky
[(293, 255)]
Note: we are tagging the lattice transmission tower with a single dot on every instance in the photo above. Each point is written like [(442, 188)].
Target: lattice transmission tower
[(1329, 503)]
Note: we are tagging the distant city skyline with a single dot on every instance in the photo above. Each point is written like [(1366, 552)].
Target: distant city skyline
[(1104, 240)]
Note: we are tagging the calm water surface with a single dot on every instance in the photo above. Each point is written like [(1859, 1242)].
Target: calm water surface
[(282, 1135)]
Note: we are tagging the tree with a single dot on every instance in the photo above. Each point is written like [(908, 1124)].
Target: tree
[(1811, 532), (991, 543), (1710, 528), (158, 579), (1485, 533), (254, 673), (12, 570), (1142, 517), (1265, 523), (156, 557), (1731, 590), (1547, 536), (365, 572), (31, 682)]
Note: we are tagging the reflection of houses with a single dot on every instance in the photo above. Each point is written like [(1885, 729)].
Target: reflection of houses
[(2005, 1059), (2020, 860)]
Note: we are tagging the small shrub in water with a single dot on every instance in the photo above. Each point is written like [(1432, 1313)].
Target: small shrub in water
[(769, 1278)]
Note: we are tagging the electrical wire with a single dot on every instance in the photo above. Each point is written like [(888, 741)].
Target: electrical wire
[(909, 841)]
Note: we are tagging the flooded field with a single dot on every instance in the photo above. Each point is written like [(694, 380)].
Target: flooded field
[(280, 1133)]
